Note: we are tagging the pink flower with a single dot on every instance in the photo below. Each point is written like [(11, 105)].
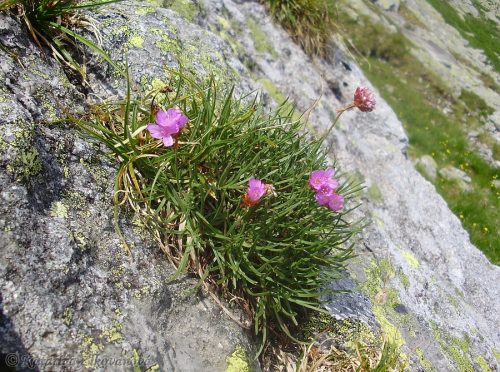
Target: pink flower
[(323, 196), (256, 190), (336, 202), (321, 179), (364, 99), (168, 124)]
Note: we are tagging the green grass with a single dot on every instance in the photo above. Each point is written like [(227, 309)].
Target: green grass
[(309, 22), (481, 32), (275, 258), (48, 23), (418, 98)]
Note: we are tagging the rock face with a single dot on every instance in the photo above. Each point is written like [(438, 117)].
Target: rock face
[(67, 286), (391, 5), (71, 298), (428, 165)]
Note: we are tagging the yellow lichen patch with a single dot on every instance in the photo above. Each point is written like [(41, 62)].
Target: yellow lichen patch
[(68, 316), (260, 40), (392, 333), (144, 10), (375, 194), (58, 209), (238, 361), (456, 348), (143, 292), (89, 352), (411, 259), (482, 363), (185, 8), (224, 22), (424, 362), (496, 353), (136, 41), (113, 333)]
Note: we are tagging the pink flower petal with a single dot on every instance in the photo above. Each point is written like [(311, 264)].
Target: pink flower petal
[(168, 141), (336, 202), (155, 131)]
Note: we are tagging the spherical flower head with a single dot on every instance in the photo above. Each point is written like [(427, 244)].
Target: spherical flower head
[(336, 202), (168, 124), (364, 99), (256, 190), (320, 179)]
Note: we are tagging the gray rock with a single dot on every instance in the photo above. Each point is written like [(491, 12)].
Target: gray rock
[(67, 286), (71, 298), (390, 5), (415, 250), (453, 174), (428, 165)]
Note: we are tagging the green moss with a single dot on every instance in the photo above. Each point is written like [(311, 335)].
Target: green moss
[(377, 274), (144, 10), (136, 361), (260, 39), (238, 361), (411, 259), (424, 362), (26, 164), (482, 363)]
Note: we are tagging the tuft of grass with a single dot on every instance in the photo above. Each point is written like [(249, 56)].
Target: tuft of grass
[(275, 258), (309, 22), (49, 22), (436, 123)]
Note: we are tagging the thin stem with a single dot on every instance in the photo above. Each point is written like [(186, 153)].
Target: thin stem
[(340, 111)]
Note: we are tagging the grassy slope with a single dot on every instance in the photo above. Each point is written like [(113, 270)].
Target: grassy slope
[(481, 32), (418, 98)]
